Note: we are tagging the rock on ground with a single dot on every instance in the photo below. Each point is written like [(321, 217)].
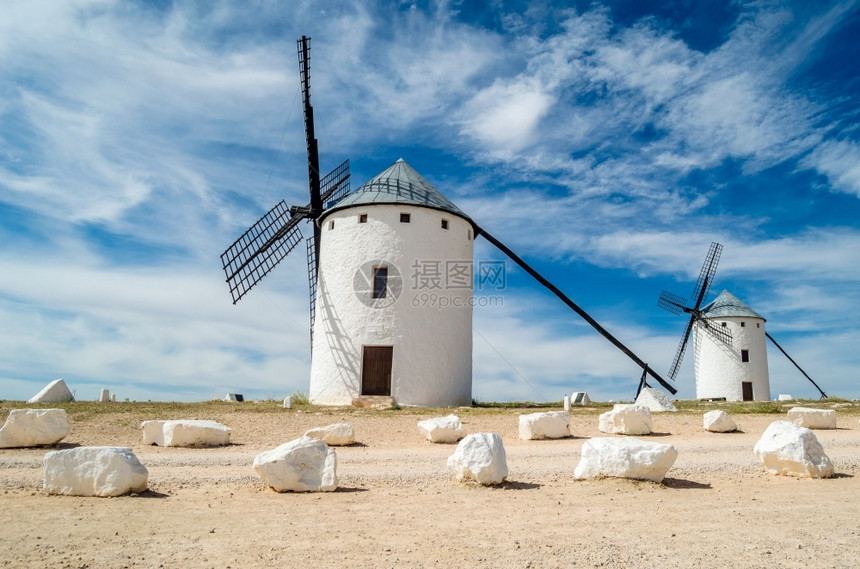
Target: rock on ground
[(625, 458), (185, 433), (302, 465), (655, 400), (550, 425), (55, 392), (34, 427), (813, 418), (338, 434), (480, 457), (94, 471), (718, 422), (442, 429), (626, 420), (791, 450)]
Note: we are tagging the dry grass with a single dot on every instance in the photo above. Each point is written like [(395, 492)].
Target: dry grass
[(135, 410)]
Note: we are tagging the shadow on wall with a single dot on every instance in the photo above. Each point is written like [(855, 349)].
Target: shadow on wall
[(343, 351)]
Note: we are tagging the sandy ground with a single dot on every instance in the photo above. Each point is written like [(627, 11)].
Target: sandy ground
[(397, 506)]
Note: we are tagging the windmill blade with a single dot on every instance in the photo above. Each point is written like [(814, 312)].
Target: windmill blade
[(682, 347), (671, 302), (335, 185), (706, 275), (573, 306), (260, 249), (312, 282), (718, 333)]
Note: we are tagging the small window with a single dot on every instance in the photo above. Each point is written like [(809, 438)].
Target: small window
[(757, 325), (405, 217), (362, 218), (743, 324), (444, 224), (745, 355), (723, 324), (331, 224), (469, 234), (380, 281)]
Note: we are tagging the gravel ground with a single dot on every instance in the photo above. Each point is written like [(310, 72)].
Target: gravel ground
[(397, 505)]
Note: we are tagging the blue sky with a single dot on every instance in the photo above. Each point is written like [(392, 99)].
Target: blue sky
[(608, 143)]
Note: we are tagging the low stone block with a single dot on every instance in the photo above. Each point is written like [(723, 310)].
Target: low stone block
[(442, 429), (34, 427), (718, 422), (625, 458), (302, 465), (94, 471), (339, 434), (185, 433), (625, 420), (792, 450), (480, 457), (655, 400), (813, 418), (549, 425), (55, 392), (784, 397)]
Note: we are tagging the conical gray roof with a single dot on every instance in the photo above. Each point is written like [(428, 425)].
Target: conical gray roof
[(728, 304), (399, 184)]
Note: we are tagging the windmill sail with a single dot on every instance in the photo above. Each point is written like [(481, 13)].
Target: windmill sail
[(260, 249), (676, 305)]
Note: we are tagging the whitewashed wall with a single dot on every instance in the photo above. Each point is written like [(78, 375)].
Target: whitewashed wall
[(718, 367), (432, 356)]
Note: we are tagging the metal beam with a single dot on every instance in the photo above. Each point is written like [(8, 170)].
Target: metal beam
[(573, 306), (769, 337)]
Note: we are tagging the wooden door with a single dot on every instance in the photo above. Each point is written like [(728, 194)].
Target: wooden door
[(747, 389), (376, 370)]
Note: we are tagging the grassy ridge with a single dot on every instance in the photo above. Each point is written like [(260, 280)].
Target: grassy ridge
[(83, 410)]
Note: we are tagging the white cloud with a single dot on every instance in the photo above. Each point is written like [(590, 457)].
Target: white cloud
[(840, 162)]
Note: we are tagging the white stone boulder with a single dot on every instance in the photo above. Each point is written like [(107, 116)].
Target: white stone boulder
[(625, 458), (813, 418), (34, 427), (55, 392), (626, 420), (791, 450), (550, 425), (655, 400), (442, 429), (480, 457), (302, 465), (339, 434), (94, 471), (718, 422), (784, 397), (185, 433)]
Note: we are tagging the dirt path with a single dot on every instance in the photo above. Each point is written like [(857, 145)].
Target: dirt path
[(398, 507)]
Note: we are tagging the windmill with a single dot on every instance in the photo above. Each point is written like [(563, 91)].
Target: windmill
[(356, 352), (266, 243), (731, 357)]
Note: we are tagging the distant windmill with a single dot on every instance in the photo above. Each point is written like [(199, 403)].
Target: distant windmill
[(729, 341), (367, 343)]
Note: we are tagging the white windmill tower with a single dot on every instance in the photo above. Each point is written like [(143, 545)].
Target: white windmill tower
[(394, 291), (390, 273), (738, 370), (729, 341)]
